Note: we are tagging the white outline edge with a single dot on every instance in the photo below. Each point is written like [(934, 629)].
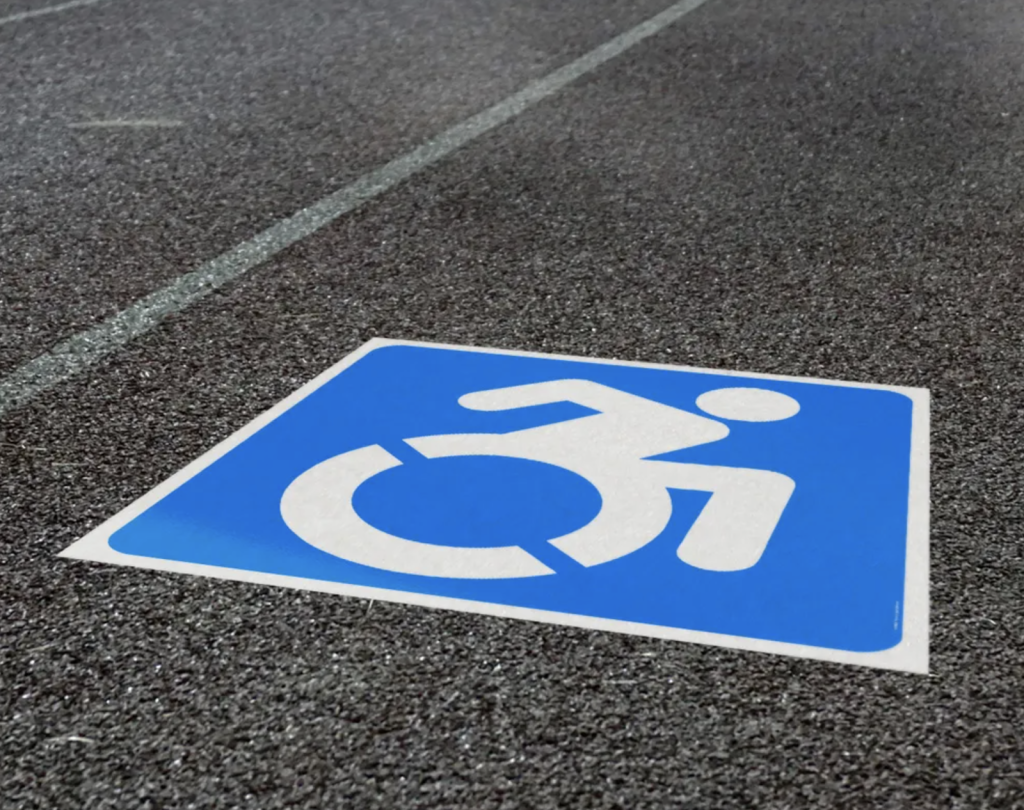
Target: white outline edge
[(910, 655)]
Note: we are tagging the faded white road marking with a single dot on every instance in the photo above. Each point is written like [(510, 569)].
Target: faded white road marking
[(73, 355), (39, 12), (127, 123)]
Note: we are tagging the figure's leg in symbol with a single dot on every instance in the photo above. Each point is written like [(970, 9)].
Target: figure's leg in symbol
[(732, 530)]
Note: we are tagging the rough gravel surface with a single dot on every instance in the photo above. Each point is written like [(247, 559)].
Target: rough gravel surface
[(832, 189)]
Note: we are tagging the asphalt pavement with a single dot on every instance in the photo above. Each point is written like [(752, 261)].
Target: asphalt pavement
[(827, 189)]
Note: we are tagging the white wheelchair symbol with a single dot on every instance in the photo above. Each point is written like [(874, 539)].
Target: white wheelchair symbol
[(610, 449)]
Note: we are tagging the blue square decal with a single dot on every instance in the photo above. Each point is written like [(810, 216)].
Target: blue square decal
[(742, 510)]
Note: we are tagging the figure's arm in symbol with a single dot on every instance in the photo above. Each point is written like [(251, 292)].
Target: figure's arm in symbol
[(626, 425)]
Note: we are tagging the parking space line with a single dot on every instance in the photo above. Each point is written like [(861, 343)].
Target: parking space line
[(75, 354), (39, 12), (127, 123)]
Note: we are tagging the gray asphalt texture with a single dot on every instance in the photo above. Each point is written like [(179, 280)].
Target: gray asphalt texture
[(832, 189)]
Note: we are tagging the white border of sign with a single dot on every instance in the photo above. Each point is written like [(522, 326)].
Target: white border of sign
[(910, 655)]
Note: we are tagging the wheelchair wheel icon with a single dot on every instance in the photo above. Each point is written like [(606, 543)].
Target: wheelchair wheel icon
[(610, 448)]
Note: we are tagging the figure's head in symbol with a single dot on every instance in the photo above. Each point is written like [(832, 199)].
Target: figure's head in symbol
[(748, 404)]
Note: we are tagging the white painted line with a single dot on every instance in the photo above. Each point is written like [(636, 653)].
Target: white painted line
[(80, 351), (127, 123), (39, 12)]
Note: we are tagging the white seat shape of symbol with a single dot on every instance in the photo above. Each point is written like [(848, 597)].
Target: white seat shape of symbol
[(609, 448)]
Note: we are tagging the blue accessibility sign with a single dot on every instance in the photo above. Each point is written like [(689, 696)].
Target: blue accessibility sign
[(751, 511)]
